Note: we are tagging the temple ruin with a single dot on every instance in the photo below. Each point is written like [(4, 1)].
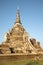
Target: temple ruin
[(17, 40)]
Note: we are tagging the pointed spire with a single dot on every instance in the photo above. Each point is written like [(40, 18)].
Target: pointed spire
[(18, 16), (18, 13)]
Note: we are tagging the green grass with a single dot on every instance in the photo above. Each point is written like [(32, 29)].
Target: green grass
[(35, 62), (21, 62)]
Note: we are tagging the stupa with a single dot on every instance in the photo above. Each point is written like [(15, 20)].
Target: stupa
[(17, 40)]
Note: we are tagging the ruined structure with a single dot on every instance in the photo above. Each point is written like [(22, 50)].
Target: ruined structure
[(18, 41)]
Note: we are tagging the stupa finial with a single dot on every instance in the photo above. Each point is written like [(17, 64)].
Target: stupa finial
[(18, 16)]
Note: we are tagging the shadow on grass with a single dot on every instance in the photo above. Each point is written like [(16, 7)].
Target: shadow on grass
[(33, 63)]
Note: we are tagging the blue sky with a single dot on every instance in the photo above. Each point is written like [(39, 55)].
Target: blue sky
[(31, 14)]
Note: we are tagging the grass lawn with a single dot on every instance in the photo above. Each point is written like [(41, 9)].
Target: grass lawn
[(21, 62)]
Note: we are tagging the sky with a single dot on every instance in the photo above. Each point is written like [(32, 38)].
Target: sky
[(31, 15)]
